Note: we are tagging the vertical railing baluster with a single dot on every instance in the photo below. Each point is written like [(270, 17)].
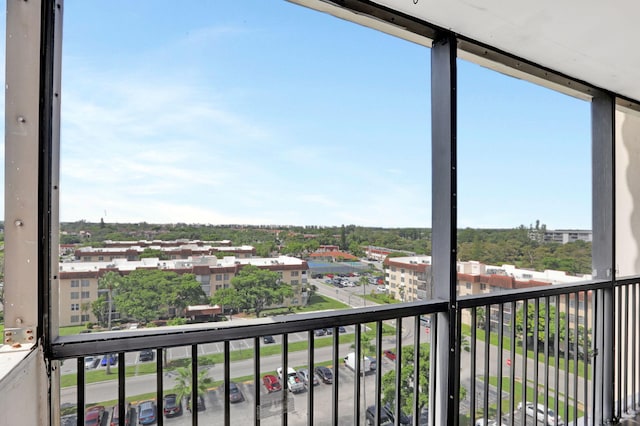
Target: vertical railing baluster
[(227, 383), (397, 367), (623, 348), (567, 336), (536, 351), (416, 370), (377, 400), (310, 362), (472, 361), (80, 392), (619, 348), (512, 367), (257, 381), (576, 367), (334, 386), (122, 368), (586, 354), (634, 360), (556, 356), (285, 379), (525, 358), (433, 355), (159, 388), (487, 338), (194, 385), (499, 360), (357, 370), (547, 325)]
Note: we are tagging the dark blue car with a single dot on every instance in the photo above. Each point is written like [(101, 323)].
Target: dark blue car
[(112, 359), (147, 412)]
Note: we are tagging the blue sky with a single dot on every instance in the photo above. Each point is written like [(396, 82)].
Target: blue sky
[(264, 112)]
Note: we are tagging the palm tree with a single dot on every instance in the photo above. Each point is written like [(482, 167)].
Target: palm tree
[(184, 381), (109, 281)]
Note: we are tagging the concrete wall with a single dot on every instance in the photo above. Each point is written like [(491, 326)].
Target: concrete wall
[(627, 192)]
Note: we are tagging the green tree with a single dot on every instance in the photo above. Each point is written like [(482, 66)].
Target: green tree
[(407, 381), (256, 289), (546, 333), (183, 382), (148, 294), (157, 253)]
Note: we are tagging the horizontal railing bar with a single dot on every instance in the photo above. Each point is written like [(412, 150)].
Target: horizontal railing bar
[(165, 337), (507, 296)]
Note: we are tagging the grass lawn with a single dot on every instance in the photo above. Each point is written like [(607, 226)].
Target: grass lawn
[(380, 298), (506, 342), (74, 329), (517, 397), (93, 376)]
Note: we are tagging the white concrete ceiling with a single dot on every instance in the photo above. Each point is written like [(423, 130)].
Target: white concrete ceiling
[(585, 39)]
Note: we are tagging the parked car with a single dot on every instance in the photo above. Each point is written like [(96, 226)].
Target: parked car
[(389, 354), (324, 374), (235, 394), (341, 329), (268, 339), (373, 363), (271, 383), (94, 415), (112, 359), (386, 416), (115, 417), (200, 404), (538, 413), (91, 362), (294, 384), (172, 406), (319, 332), (146, 355), (328, 331), (147, 412), (303, 373)]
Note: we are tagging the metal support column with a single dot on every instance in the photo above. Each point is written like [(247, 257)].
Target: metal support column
[(444, 247), (603, 165)]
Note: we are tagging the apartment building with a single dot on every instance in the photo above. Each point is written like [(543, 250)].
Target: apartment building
[(408, 278), (79, 280), (180, 251)]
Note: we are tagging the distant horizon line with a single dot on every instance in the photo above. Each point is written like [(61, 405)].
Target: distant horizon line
[(276, 226)]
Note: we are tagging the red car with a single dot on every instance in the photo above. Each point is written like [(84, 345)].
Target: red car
[(271, 383), (389, 354), (94, 416)]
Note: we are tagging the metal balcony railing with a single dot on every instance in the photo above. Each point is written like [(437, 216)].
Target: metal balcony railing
[(524, 358)]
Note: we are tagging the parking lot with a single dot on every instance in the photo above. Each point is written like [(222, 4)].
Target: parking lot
[(273, 405)]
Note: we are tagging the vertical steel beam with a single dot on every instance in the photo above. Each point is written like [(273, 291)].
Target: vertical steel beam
[(603, 187), (444, 220)]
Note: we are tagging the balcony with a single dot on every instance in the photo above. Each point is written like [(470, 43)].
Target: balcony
[(567, 351)]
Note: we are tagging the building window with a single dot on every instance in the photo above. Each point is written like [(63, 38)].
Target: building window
[(85, 283), (87, 258), (294, 282), (75, 306), (401, 279), (86, 294), (483, 286), (468, 286), (218, 287), (75, 295), (84, 318), (75, 318), (295, 273), (75, 283), (226, 277), (100, 257), (218, 277)]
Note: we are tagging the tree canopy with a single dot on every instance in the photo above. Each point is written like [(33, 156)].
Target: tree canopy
[(149, 294), (407, 380), (253, 288)]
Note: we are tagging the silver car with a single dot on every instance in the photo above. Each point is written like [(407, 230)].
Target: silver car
[(303, 373)]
